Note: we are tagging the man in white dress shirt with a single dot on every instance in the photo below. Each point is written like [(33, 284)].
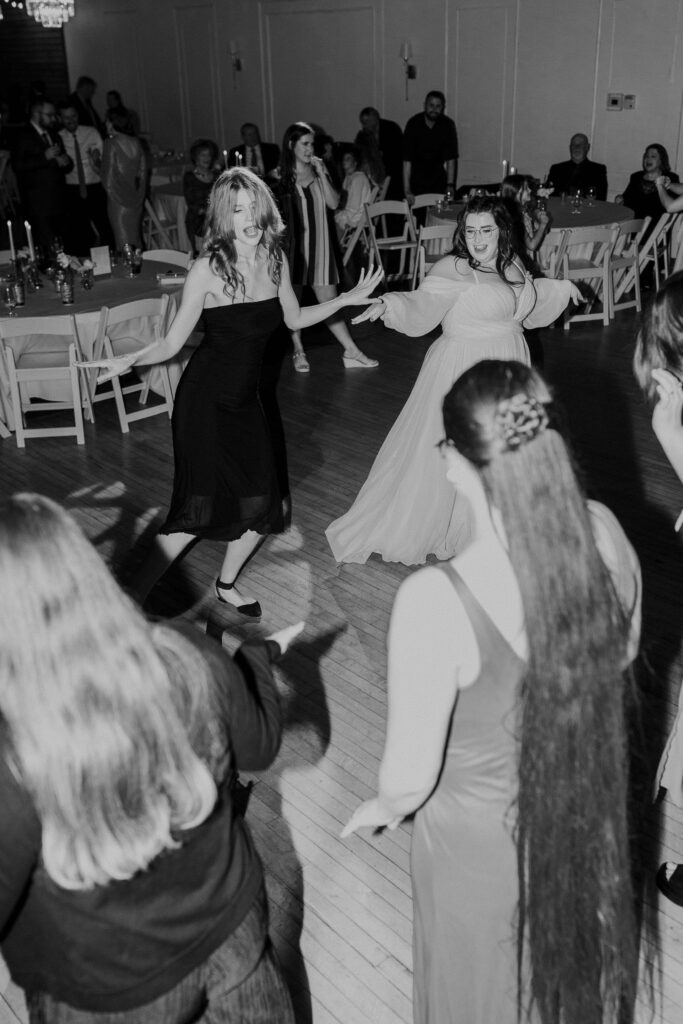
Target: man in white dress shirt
[(87, 200), (261, 157)]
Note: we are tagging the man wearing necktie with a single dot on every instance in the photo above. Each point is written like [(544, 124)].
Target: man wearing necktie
[(40, 166), (87, 200), (260, 157)]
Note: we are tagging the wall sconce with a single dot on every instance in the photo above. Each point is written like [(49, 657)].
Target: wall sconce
[(410, 69), (236, 61)]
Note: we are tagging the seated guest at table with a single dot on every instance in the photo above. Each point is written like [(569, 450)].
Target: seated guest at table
[(356, 189), (530, 223), (41, 165), (430, 149), (87, 200), (130, 888), (385, 139), (641, 195), (124, 176), (260, 157), (197, 185), (115, 102), (81, 99), (578, 173)]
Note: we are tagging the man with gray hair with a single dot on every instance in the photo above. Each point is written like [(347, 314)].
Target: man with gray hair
[(578, 173)]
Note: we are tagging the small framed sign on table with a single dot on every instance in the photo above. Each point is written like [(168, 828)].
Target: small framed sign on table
[(101, 260)]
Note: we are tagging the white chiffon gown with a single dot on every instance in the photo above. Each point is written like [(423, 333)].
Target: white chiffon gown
[(407, 509)]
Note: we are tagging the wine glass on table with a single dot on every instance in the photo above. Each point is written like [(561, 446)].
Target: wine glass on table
[(577, 200), (590, 196), (9, 299)]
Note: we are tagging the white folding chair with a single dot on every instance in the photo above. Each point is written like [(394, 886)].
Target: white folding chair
[(426, 199), (587, 259), (156, 229), (352, 236), (174, 257), (52, 364), (121, 331), (624, 257), (404, 244), (552, 251), (430, 248)]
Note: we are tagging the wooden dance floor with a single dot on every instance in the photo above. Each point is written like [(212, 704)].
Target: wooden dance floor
[(341, 911)]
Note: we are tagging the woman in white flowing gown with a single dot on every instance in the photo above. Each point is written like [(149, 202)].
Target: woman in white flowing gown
[(483, 299)]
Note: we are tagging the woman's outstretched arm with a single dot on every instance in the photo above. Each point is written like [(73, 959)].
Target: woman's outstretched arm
[(298, 317)]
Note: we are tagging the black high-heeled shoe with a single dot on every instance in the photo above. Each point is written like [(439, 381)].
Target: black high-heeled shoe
[(251, 610)]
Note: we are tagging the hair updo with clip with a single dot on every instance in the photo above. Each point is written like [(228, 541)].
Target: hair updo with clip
[(496, 407)]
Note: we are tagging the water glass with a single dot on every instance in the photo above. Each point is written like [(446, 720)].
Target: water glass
[(590, 196), (576, 202), (9, 298), (87, 279)]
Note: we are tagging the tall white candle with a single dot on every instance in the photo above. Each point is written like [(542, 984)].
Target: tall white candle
[(513, 170), (13, 254), (505, 168), (29, 239), (225, 159), (239, 159)]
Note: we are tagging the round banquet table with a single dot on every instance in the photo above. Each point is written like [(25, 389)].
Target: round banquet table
[(561, 212), (110, 290)]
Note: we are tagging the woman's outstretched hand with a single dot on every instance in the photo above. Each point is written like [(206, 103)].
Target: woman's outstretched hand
[(111, 367), (370, 814), (367, 282)]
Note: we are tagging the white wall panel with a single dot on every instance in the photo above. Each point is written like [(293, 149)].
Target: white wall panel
[(195, 34), (326, 55), (480, 47)]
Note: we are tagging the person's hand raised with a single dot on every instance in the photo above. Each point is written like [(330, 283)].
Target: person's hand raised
[(367, 282)]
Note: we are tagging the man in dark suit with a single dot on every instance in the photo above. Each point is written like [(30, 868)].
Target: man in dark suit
[(41, 165), (579, 173), (385, 137), (261, 157), (81, 100)]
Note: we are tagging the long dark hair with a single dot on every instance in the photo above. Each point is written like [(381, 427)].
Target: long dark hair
[(576, 925), (663, 156), (292, 135), (660, 339), (219, 237), (506, 234)]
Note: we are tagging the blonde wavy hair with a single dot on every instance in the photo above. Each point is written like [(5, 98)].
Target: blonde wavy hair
[(219, 236), (114, 725)]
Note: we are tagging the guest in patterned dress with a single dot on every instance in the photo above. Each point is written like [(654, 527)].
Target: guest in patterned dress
[(307, 201)]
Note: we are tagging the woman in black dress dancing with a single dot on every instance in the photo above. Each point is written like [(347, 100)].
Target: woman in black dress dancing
[(225, 485)]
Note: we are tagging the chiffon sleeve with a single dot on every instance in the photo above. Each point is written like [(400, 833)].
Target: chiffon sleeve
[(552, 298), (419, 312)]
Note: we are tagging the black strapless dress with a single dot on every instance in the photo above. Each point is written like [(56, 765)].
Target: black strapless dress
[(225, 481)]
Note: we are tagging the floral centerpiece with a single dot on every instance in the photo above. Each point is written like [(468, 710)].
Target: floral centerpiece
[(84, 268)]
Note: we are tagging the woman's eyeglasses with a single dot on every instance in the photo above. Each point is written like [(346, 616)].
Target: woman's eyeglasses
[(484, 233)]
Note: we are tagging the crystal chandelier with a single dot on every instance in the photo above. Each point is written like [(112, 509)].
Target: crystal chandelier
[(12, 3), (51, 13)]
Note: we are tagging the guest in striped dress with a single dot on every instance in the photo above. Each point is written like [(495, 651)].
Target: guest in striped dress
[(307, 200)]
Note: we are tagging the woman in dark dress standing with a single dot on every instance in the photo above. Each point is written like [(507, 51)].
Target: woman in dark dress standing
[(225, 485)]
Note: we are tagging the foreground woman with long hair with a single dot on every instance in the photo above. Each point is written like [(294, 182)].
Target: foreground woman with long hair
[(225, 485), (128, 884), (506, 729)]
